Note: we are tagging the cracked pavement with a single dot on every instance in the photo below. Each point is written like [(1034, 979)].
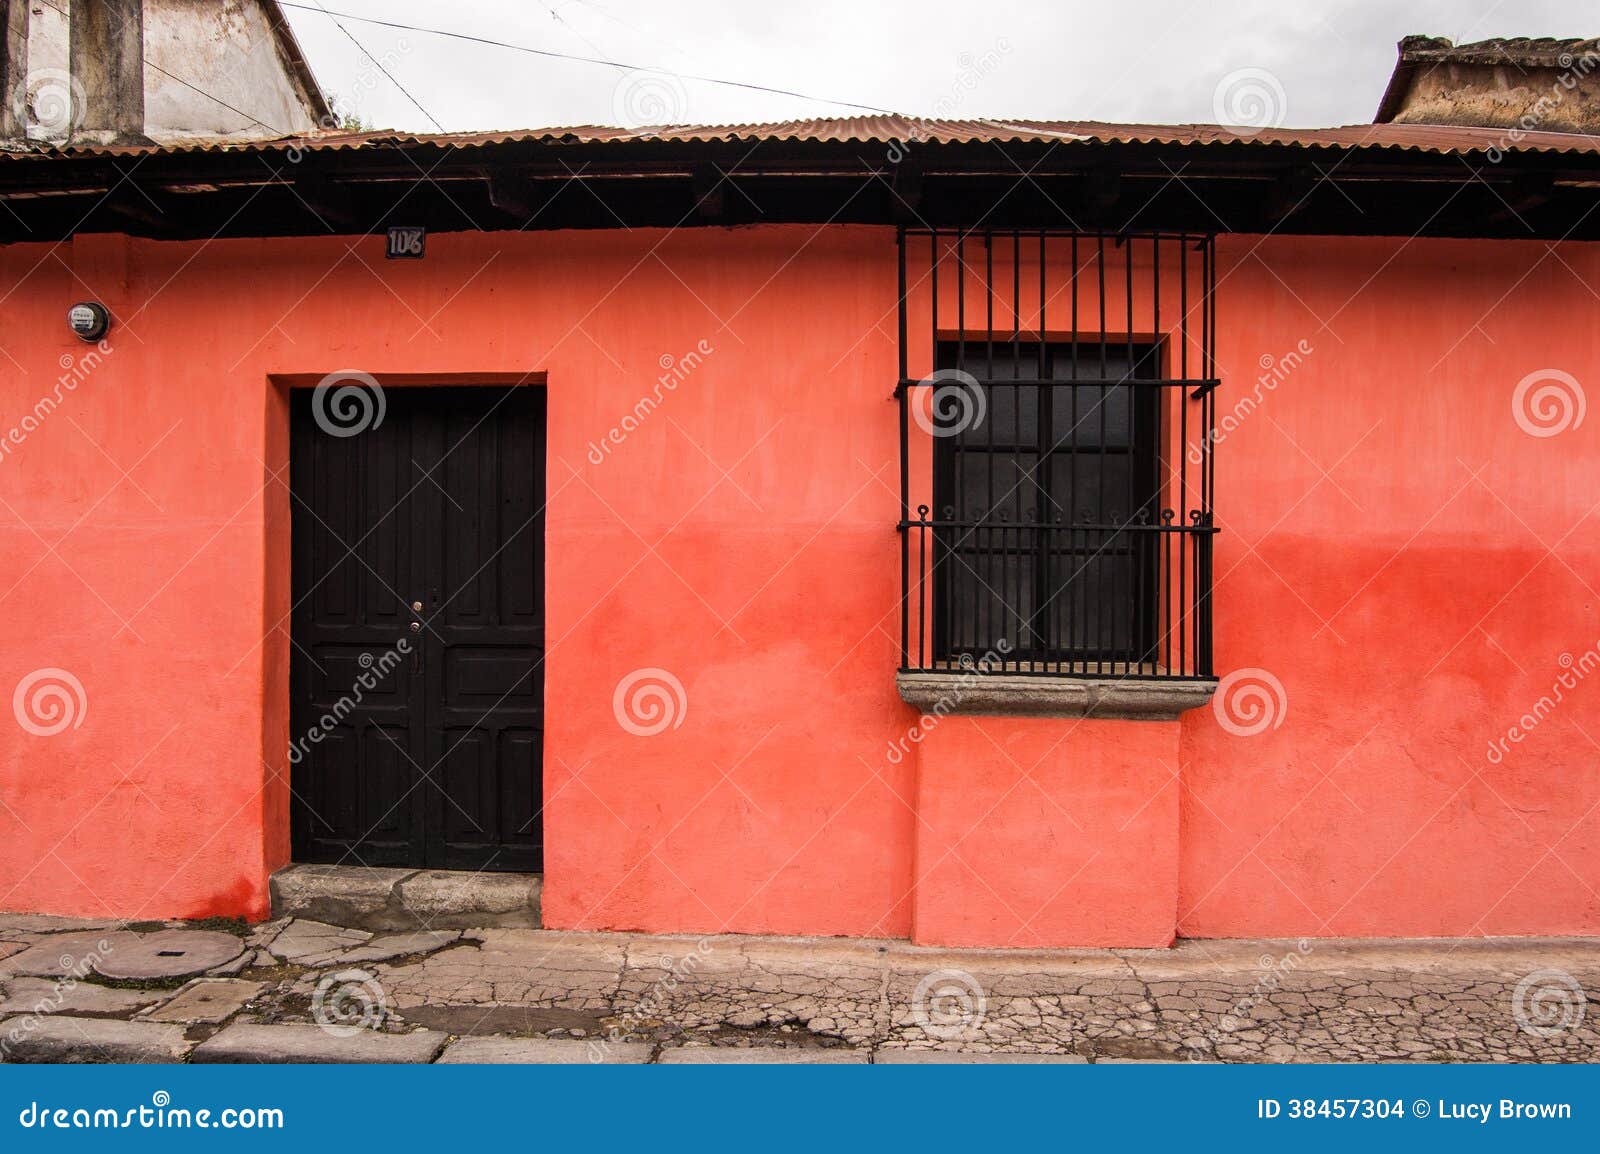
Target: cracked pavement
[(1524, 1000)]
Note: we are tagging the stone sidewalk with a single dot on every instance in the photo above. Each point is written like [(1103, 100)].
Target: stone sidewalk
[(298, 990)]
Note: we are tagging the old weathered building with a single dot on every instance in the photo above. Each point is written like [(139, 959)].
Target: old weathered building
[(988, 533), (1515, 84), (166, 70)]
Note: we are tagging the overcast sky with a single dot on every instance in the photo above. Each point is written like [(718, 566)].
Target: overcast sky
[(1316, 62)]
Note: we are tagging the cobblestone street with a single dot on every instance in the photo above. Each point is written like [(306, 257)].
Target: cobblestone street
[(299, 990)]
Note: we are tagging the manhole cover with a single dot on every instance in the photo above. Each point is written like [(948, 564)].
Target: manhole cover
[(168, 954)]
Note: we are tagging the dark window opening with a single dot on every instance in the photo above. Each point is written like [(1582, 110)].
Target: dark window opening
[(1039, 484)]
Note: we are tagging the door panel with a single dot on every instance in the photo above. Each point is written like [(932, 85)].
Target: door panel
[(432, 759), (484, 641)]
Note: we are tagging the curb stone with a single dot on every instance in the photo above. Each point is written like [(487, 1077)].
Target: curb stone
[(64, 1038), (302, 1042)]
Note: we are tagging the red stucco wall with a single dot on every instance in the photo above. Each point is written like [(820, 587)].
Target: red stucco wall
[(1413, 602)]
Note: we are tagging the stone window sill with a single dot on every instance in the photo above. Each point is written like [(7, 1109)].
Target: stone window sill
[(1003, 695)]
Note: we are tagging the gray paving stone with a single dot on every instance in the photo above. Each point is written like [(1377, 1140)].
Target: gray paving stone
[(62, 1038), (205, 1000), (760, 1056), (25, 995), (69, 953), (168, 954), (542, 1051), (301, 1042), (263, 932), (309, 943), (970, 1058), (243, 962), (381, 949)]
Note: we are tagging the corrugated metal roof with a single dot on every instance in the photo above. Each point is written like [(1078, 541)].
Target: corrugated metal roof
[(1440, 139)]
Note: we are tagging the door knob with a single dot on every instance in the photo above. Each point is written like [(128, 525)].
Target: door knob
[(416, 627), (416, 607)]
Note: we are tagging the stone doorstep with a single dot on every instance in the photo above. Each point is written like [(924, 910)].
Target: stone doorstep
[(302, 1042), (400, 900)]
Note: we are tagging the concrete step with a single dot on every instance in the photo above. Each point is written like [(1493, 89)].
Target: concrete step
[(383, 900)]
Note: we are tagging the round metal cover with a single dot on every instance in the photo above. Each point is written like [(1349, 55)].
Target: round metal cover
[(168, 954)]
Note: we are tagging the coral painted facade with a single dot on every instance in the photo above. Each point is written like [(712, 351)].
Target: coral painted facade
[(1404, 573)]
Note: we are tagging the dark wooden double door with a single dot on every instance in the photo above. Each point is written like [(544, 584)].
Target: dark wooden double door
[(416, 680)]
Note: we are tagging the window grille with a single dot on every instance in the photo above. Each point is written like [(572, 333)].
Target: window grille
[(1056, 396)]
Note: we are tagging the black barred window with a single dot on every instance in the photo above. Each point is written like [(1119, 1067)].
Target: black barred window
[(1056, 467)]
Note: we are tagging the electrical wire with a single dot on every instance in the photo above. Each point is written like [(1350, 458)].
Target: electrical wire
[(588, 59), (376, 63)]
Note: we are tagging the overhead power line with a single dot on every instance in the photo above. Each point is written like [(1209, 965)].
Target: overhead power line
[(588, 59), (378, 64)]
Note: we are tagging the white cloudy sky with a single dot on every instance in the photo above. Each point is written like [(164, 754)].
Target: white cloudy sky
[(1137, 60)]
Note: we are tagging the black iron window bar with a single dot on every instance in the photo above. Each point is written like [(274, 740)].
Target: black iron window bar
[(1057, 403)]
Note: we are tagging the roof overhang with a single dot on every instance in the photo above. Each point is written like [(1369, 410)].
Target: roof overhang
[(1363, 180)]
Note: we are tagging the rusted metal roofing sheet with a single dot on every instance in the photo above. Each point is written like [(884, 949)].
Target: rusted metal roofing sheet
[(1426, 138)]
